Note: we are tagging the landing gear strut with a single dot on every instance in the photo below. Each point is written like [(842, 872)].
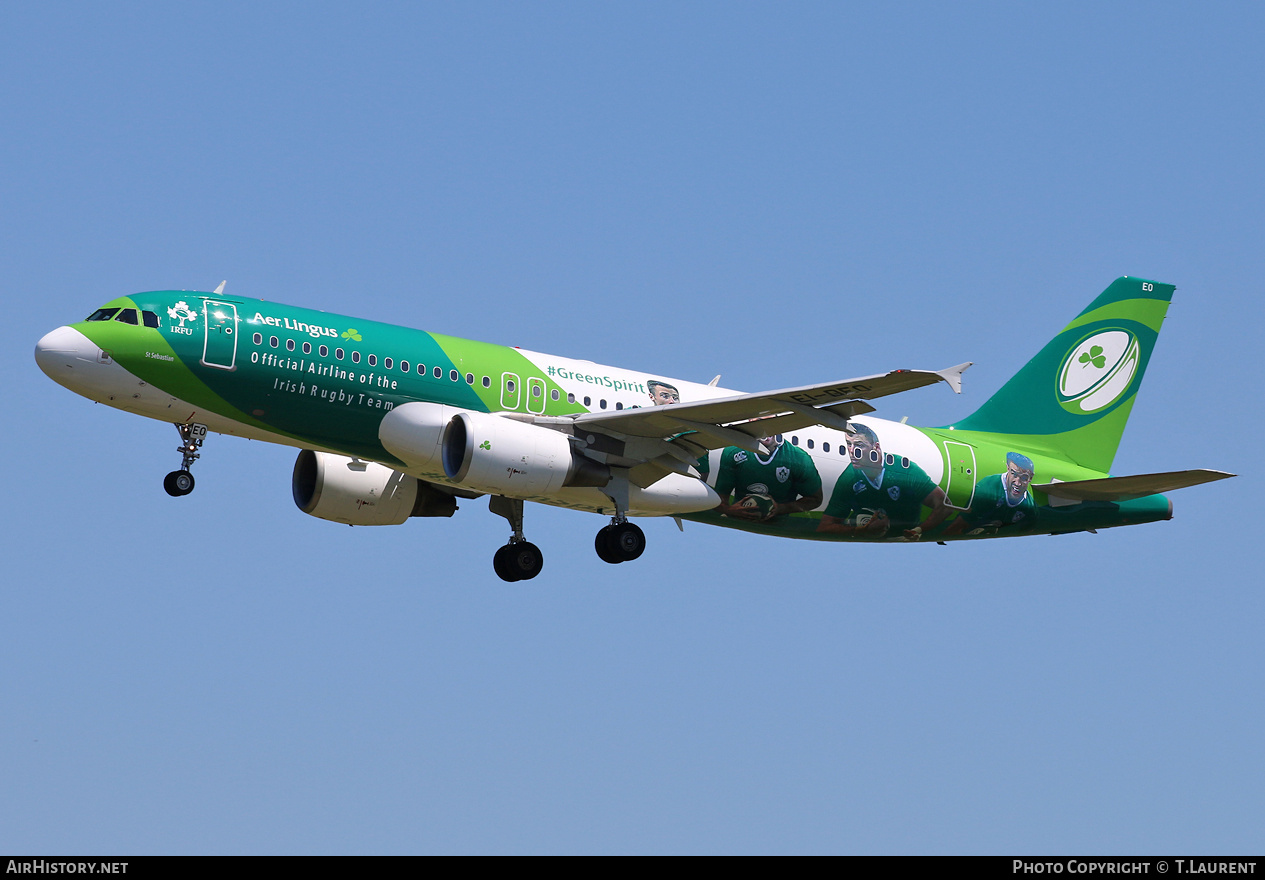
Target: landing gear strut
[(621, 541), (180, 482), (520, 559)]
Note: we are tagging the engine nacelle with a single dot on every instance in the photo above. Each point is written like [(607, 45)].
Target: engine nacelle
[(412, 433), (507, 457), (362, 493)]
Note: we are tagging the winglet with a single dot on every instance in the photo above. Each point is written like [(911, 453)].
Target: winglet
[(953, 375), (220, 289)]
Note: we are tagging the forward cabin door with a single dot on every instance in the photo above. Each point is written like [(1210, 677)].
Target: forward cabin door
[(220, 348)]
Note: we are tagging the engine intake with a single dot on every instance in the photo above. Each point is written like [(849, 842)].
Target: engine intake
[(362, 493), (507, 457)]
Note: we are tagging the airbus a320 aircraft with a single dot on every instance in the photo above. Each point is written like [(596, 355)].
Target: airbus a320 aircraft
[(394, 423)]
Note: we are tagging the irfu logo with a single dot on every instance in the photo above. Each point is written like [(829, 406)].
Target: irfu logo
[(181, 312), (486, 444), (353, 334)]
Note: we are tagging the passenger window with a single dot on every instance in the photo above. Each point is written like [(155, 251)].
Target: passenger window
[(355, 357), (535, 391), (825, 447), (289, 345), (127, 316), (553, 394), (324, 349), (150, 319), (258, 339), (487, 382), (388, 363), (570, 397), (307, 348), (273, 341), (454, 375), (373, 360), (403, 366), (439, 372), (469, 378), (810, 443), (102, 315), (587, 401), (338, 353), (618, 405), (794, 440), (602, 403)]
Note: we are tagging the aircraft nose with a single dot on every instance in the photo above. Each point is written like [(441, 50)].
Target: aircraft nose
[(57, 352)]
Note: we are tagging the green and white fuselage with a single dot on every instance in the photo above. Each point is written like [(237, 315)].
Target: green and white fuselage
[(369, 392)]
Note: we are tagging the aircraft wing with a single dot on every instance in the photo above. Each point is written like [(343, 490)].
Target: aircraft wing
[(1131, 487), (656, 440)]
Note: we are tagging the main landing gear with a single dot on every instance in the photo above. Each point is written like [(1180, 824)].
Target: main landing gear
[(178, 483), (621, 541), (520, 559)]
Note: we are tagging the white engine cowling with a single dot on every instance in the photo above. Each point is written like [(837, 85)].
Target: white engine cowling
[(362, 493), (412, 433), (507, 457)]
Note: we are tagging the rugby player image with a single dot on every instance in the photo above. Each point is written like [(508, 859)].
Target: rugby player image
[(878, 492), (1001, 501), (783, 482), (663, 394)]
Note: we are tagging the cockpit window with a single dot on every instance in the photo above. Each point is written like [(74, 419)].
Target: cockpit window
[(151, 319), (127, 316), (102, 315)]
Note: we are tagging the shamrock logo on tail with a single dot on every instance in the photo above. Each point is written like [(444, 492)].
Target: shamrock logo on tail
[(354, 335), (485, 445), (1093, 356)]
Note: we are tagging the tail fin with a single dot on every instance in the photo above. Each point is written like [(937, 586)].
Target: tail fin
[(1075, 396)]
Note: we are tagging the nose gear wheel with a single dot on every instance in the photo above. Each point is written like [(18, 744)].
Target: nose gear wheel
[(180, 483)]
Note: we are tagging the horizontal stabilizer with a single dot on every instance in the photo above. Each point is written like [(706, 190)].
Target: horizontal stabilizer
[(1129, 488)]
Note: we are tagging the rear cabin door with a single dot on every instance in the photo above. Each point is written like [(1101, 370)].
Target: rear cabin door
[(960, 467)]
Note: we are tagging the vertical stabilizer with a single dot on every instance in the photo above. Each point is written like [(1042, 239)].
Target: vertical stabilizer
[(1075, 396)]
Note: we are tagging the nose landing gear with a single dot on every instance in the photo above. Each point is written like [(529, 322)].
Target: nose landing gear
[(179, 483)]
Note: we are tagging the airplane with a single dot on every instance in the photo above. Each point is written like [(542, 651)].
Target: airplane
[(394, 423)]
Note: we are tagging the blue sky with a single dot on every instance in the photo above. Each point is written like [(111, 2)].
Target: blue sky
[(782, 194)]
